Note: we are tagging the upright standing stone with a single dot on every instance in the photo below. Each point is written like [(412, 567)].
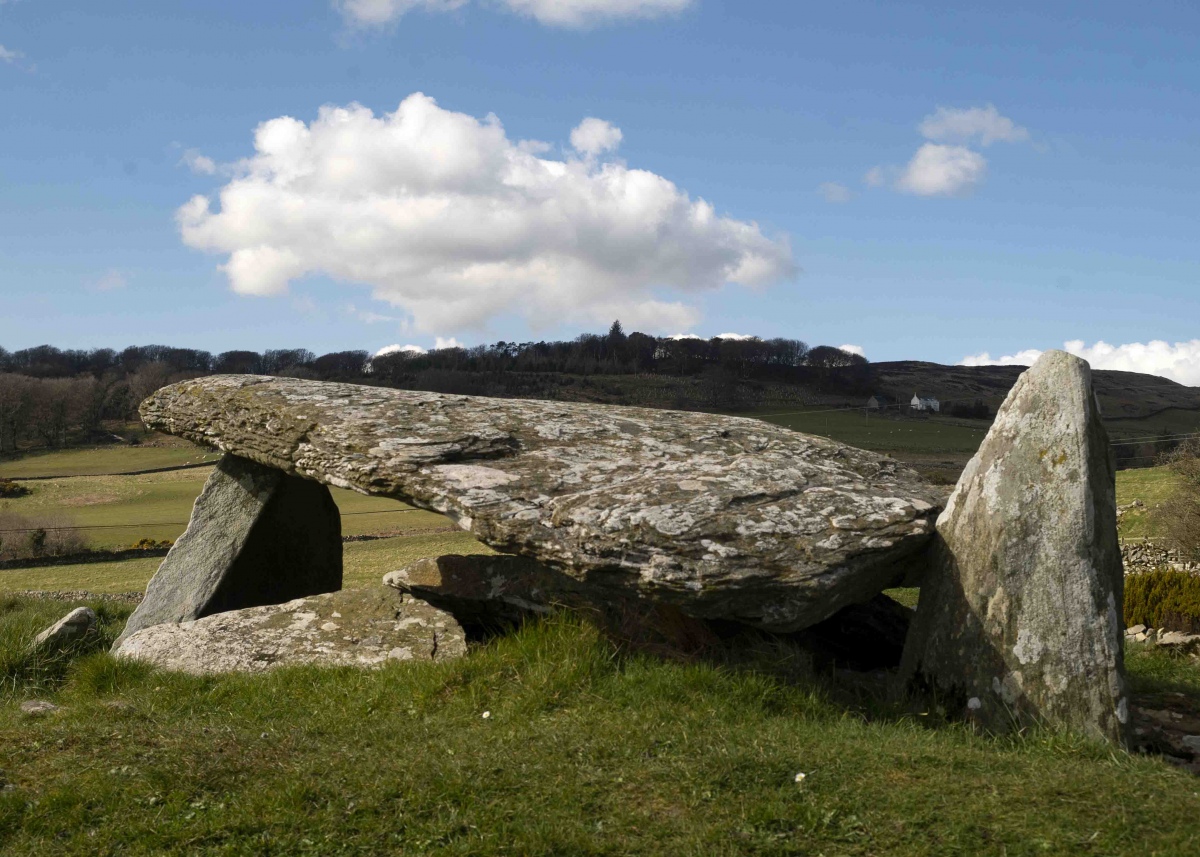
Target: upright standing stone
[(257, 536), (1019, 620)]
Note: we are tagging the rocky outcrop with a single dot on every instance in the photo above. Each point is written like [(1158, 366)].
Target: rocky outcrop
[(725, 518), (256, 536), (1019, 620), (356, 627), (70, 629)]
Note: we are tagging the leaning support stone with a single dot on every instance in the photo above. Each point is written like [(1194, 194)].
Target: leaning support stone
[(257, 536), (1019, 621)]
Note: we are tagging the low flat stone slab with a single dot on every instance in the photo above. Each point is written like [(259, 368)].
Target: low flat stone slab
[(355, 627), (725, 517)]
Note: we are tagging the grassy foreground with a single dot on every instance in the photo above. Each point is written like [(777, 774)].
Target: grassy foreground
[(582, 750)]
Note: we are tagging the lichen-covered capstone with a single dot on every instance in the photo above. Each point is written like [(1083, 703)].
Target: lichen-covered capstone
[(366, 627), (256, 536), (1019, 620), (725, 517)]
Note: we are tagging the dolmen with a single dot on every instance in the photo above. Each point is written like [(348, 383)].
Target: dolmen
[(714, 519)]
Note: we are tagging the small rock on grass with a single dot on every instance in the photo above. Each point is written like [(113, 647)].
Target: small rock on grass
[(38, 707), (70, 628)]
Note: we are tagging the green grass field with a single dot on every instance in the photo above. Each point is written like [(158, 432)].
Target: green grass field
[(586, 749), (933, 436), (106, 459), (1151, 485)]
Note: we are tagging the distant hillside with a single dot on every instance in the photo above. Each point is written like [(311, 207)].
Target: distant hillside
[(1123, 395)]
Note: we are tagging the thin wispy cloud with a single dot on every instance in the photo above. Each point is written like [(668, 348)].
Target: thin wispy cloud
[(554, 13), (198, 163), (447, 219), (834, 192), (110, 281), (982, 125)]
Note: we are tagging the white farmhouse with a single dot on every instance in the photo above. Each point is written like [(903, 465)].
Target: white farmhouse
[(917, 403)]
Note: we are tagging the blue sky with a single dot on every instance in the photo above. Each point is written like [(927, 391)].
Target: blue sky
[(1052, 199)]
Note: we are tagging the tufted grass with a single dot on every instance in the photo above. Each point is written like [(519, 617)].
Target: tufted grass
[(586, 751)]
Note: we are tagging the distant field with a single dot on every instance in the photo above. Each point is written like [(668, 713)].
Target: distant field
[(886, 434), (365, 563), (157, 506), (1151, 485), (106, 459)]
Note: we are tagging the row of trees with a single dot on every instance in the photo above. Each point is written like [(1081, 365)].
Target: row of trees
[(52, 396), (611, 354)]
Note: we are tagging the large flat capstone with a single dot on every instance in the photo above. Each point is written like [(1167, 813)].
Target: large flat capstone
[(1019, 620), (725, 517)]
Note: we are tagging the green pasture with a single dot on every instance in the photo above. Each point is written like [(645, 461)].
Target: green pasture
[(1151, 485), (550, 741), (364, 563), (120, 510), (107, 459), (586, 749), (890, 434)]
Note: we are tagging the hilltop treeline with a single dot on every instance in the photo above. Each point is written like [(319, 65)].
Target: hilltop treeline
[(55, 397)]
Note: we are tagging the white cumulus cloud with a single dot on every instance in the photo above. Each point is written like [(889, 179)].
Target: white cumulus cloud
[(853, 349), (554, 13), (834, 192), (937, 170), (8, 55), (594, 137), (1179, 361), (982, 124), (399, 349), (446, 218), (741, 337)]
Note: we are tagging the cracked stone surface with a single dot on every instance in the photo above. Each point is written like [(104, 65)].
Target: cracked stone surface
[(1019, 620), (355, 627), (725, 517), (256, 536)]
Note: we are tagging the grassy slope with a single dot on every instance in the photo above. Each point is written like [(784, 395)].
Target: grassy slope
[(1151, 485), (584, 752)]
